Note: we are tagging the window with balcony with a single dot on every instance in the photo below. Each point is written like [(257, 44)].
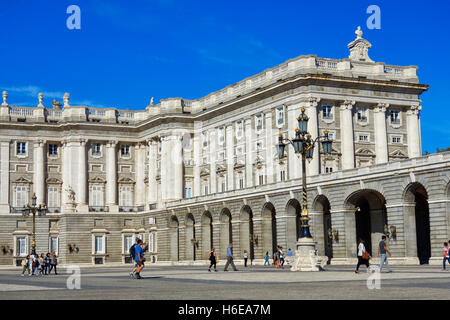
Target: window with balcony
[(96, 196), (327, 111), (53, 202), (395, 119), (125, 151), (20, 196), (280, 116), (125, 196), (188, 192)]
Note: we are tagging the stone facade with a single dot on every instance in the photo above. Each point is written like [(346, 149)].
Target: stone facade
[(190, 174)]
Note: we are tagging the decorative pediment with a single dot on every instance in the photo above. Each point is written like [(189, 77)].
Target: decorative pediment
[(221, 169), (126, 180), (398, 154), (365, 153), (259, 162), (23, 180), (359, 48), (96, 180), (53, 181), (204, 172)]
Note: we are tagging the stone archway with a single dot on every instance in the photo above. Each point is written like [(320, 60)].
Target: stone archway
[(246, 230), (174, 239), (417, 226), (293, 229), (370, 218), (190, 246), (207, 234), (226, 232), (269, 232), (322, 226)]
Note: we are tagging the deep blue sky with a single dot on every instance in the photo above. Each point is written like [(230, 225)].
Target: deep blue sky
[(128, 51)]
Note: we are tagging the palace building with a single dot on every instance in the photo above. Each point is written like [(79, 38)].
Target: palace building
[(188, 175)]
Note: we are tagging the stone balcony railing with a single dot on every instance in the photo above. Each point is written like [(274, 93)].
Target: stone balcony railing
[(321, 179), (302, 65)]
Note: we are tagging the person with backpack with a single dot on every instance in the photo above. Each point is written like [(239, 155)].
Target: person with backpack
[(139, 258), (132, 255), (213, 259)]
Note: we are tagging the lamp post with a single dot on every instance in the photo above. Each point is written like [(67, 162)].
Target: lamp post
[(304, 145), (41, 210)]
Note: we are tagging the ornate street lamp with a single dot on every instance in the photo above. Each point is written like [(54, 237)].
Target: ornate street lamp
[(41, 210), (303, 144)]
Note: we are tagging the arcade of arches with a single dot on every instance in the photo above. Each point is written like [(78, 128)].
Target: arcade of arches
[(260, 226)]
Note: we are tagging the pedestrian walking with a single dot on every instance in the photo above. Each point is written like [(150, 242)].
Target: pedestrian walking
[(212, 259), (289, 252), (382, 250), (245, 258), (41, 264), (47, 264), (446, 255), (132, 252), (34, 264), (267, 259), (26, 265), (281, 254), (139, 258), (230, 258), (275, 259), (363, 255), (53, 263)]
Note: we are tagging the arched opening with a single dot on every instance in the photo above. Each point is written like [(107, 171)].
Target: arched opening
[(370, 217), (174, 237), (247, 233), (191, 241), (293, 226), (269, 224), (417, 195), (323, 229), (226, 234), (207, 234)]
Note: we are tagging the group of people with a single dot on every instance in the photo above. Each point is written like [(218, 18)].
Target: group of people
[(278, 257), (39, 265), (364, 256)]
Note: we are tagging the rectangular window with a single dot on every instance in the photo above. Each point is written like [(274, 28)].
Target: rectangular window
[(53, 150), (327, 111), (221, 135), (361, 113), (151, 242), (53, 197), (99, 244), (280, 116), (188, 192), (261, 179), (21, 196), (21, 246), (205, 139), (127, 243), (395, 117), (125, 196), (96, 149), (239, 129), (363, 138), (259, 124), (396, 139), (282, 175), (53, 245), (96, 196), (222, 186), (125, 150), (328, 169), (21, 149), (206, 190)]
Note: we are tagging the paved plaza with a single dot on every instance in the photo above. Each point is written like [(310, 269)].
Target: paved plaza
[(257, 282)]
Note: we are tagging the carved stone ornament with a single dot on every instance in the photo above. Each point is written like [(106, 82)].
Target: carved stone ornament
[(359, 48)]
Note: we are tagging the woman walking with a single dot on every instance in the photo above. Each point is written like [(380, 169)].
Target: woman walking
[(267, 259), (245, 258), (53, 263), (363, 255), (26, 265), (41, 264), (213, 259)]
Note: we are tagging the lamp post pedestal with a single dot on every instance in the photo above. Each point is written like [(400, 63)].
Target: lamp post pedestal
[(306, 258)]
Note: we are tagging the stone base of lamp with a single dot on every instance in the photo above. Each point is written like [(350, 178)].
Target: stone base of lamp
[(306, 258)]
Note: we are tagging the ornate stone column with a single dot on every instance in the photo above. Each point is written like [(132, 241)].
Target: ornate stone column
[(230, 158), (39, 171), (152, 196), (4, 175), (82, 176), (347, 142), (248, 153), (111, 176), (65, 168), (379, 119), (269, 148), (413, 125), (313, 166), (212, 162), (197, 158), (171, 168), (140, 173)]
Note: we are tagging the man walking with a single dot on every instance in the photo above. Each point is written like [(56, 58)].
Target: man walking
[(132, 255), (139, 258), (230, 258), (446, 255), (382, 249)]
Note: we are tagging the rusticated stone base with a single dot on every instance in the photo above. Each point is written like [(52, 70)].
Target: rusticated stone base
[(306, 258)]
